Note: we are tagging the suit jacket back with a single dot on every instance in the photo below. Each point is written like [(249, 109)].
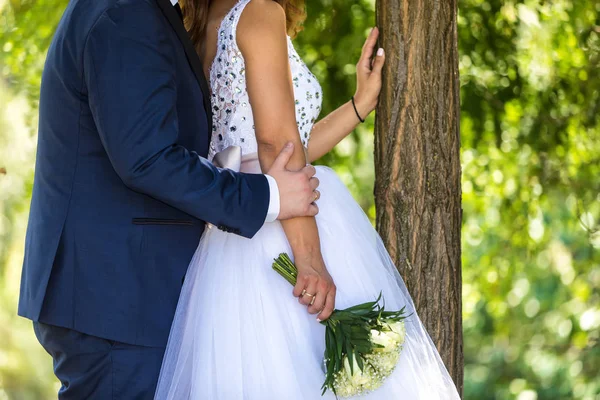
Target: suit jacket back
[(120, 193)]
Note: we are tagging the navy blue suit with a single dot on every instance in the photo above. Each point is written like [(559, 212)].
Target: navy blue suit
[(121, 188)]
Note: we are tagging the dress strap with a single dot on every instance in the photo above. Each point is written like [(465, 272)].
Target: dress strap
[(235, 16)]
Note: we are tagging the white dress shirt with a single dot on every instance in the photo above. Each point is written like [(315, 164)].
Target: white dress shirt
[(274, 203)]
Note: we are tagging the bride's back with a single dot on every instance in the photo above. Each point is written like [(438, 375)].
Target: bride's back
[(226, 68)]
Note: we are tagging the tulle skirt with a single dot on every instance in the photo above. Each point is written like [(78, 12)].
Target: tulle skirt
[(239, 333)]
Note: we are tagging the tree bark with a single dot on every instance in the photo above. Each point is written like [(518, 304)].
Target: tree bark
[(417, 163)]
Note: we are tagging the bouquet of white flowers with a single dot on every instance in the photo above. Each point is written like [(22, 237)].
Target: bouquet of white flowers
[(362, 343)]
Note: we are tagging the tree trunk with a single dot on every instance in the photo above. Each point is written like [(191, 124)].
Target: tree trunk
[(417, 163)]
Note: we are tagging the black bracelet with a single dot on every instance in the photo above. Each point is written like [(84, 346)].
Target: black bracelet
[(356, 111)]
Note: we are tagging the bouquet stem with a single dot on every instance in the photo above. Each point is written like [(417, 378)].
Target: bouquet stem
[(286, 268)]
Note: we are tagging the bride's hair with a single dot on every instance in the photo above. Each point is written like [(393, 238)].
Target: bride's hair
[(196, 11)]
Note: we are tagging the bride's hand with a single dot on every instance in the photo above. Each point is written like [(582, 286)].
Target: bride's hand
[(315, 287), (368, 75)]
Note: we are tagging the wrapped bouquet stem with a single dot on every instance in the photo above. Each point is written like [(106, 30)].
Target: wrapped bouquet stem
[(362, 343)]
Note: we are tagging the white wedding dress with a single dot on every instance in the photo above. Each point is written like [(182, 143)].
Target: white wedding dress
[(238, 332)]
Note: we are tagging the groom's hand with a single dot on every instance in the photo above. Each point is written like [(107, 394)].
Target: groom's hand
[(297, 189)]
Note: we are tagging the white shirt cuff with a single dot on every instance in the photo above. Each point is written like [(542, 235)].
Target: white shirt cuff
[(274, 203)]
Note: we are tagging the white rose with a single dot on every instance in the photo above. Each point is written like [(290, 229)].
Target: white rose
[(382, 339), (358, 377), (399, 330), (394, 337)]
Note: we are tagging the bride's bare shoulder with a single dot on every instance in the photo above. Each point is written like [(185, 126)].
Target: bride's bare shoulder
[(262, 23)]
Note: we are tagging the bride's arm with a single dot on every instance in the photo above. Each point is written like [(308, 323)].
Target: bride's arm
[(337, 125), (261, 37)]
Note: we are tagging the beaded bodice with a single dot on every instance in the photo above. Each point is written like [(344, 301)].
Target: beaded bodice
[(233, 123)]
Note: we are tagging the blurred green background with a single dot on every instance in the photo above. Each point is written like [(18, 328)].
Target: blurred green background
[(530, 88)]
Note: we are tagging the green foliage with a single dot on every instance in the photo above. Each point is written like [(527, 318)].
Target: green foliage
[(530, 93), (25, 370), (531, 159), (331, 45)]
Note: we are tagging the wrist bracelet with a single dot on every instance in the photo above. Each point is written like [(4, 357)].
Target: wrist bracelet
[(356, 111)]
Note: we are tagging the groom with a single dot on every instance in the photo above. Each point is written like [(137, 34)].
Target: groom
[(122, 192)]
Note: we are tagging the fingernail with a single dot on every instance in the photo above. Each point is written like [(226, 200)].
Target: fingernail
[(380, 52), (318, 320), (289, 145)]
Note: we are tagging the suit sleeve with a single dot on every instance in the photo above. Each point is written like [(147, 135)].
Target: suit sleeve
[(130, 77)]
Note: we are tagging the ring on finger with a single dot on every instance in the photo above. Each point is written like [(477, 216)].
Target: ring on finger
[(312, 301), (305, 293)]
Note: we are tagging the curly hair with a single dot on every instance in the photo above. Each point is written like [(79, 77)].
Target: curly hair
[(295, 13), (195, 14)]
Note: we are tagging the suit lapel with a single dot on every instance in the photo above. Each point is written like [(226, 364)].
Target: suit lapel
[(175, 21)]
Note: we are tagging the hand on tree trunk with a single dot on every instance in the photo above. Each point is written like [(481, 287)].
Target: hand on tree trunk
[(368, 75)]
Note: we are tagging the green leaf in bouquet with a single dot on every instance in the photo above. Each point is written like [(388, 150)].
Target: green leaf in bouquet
[(339, 340), (361, 314), (334, 363), (327, 341), (395, 315), (330, 360), (358, 329), (344, 330), (363, 306), (363, 346), (370, 305), (350, 355), (359, 361)]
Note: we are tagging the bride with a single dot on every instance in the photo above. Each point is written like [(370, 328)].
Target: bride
[(239, 331)]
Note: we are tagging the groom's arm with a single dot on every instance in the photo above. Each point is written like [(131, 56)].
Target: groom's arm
[(129, 68)]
